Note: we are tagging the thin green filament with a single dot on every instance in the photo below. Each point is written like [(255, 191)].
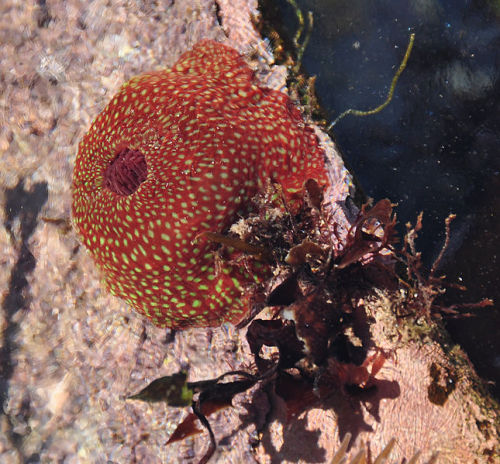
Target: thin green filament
[(300, 18), (390, 94), (296, 40)]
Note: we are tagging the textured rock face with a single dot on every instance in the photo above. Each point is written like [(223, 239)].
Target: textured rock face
[(71, 353), (454, 426)]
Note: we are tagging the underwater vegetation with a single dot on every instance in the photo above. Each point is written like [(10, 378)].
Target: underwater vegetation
[(314, 351), (315, 342)]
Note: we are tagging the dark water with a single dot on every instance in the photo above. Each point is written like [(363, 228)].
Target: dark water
[(436, 148)]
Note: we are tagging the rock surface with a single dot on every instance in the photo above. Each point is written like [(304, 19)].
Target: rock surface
[(71, 353)]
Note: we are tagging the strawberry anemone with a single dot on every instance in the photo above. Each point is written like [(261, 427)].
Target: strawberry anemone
[(177, 153)]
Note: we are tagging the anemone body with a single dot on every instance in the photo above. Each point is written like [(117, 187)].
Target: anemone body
[(175, 153)]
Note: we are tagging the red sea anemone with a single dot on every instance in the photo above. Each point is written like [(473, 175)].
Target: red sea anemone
[(176, 153)]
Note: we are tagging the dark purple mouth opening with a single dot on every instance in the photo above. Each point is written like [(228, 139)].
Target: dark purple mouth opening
[(126, 172)]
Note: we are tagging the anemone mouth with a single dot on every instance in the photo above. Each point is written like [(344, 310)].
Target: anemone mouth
[(126, 172)]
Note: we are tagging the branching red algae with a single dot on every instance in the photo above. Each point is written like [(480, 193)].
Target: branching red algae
[(177, 153)]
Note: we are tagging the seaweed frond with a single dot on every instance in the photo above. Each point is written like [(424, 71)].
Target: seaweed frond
[(390, 94)]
